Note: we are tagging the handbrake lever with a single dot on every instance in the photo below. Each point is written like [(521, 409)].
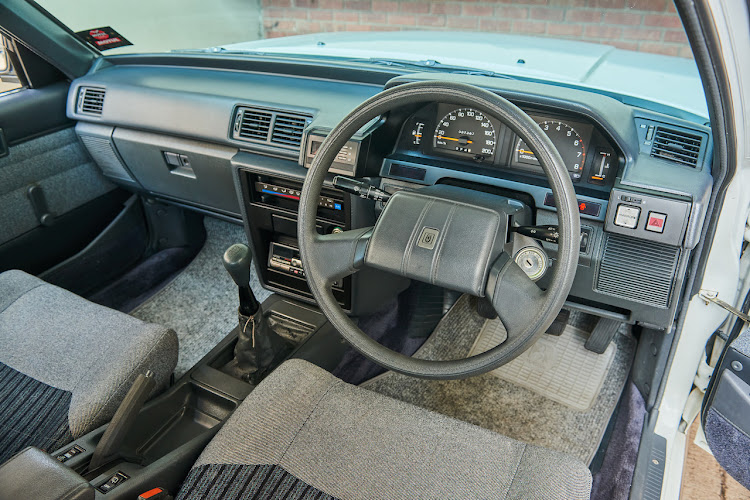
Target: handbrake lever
[(122, 422)]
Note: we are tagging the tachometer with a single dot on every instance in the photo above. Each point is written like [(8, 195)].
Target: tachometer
[(468, 132), (567, 141)]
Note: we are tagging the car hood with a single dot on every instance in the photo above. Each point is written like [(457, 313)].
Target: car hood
[(670, 81)]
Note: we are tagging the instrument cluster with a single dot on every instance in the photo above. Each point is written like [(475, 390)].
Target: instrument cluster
[(468, 135)]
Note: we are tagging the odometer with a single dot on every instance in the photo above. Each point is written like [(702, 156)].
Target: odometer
[(467, 132)]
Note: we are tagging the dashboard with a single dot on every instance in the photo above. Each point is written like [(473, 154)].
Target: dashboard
[(235, 138)]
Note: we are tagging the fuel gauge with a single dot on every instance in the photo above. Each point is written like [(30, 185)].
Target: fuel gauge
[(417, 133)]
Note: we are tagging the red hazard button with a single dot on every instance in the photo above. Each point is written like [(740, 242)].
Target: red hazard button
[(656, 222)]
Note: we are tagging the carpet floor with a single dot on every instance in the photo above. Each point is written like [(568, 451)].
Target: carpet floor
[(496, 404), (200, 304)]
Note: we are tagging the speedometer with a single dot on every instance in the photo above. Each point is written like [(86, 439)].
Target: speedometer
[(568, 142), (468, 132)]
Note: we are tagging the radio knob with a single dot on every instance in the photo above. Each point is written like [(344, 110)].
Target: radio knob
[(337, 230)]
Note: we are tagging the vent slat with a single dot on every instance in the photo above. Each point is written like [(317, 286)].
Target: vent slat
[(676, 146), (91, 100), (670, 146), (288, 129), (637, 270), (254, 125)]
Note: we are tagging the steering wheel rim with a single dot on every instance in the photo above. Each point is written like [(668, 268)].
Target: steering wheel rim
[(549, 302)]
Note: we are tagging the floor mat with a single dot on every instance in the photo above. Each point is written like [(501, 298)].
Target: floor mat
[(559, 368), (504, 407), (144, 281), (200, 304)]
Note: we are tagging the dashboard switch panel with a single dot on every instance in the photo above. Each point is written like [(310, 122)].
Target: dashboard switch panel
[(647, 217), (627, 216), (345, 162)]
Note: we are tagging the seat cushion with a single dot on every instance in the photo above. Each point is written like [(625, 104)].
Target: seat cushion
[(303, 432), (66, 363)]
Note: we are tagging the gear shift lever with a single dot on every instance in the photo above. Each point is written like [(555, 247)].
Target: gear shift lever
[(237, 260), (258, 347)]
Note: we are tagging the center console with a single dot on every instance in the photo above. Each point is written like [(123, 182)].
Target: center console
[(270, 201), (271, 205)]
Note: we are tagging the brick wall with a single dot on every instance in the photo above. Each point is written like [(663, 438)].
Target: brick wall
[(643, 25)]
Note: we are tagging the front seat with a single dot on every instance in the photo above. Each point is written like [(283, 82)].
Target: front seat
[(66, 363), (303, 433)]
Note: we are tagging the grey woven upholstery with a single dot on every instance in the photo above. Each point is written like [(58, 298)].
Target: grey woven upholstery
[(68, 360), (31, 414), (348, 442)]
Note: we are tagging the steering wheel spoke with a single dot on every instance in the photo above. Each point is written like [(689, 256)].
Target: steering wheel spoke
[(337, 255)]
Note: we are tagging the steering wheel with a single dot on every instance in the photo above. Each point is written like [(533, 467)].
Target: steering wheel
[(444, 235)]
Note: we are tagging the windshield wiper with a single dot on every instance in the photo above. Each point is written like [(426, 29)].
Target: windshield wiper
[(431, 64)]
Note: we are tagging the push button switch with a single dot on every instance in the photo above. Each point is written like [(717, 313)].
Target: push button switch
[(68, 454), (656, 222), (114, 481), (627, 216)]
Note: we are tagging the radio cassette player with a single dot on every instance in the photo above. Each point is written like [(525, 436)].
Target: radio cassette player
[(286, 259)]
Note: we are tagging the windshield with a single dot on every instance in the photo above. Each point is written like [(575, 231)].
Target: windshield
[(651, 26), (632, 47)]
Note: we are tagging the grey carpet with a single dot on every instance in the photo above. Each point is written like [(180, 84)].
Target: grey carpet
[(615, 477), (200, 304), (495, 404)]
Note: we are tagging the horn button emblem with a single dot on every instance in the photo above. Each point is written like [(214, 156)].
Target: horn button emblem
[(428, 238)]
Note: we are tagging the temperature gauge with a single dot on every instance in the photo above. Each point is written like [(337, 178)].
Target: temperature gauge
[(417, 133), (600, 168)]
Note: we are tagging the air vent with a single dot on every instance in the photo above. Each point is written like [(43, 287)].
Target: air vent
[(637, 270), (91, 100), (253, 125), (266, 126), (287, 130), (677, 146)]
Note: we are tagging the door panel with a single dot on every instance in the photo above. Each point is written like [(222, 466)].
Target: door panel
[(726, 409), (46, 153), (59, 165)]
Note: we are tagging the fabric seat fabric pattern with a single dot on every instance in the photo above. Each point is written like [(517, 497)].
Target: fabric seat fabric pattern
[(235, 482), (303, 427), (31, 414), (66, 363)]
